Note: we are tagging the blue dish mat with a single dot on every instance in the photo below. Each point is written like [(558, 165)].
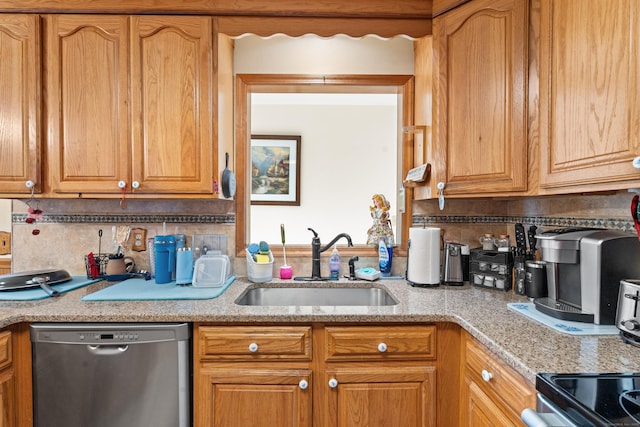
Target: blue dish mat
[(572, 328), (37, 293), (139, 289)]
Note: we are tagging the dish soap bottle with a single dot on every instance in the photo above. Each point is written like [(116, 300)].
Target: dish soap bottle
[(334, 264), (385, 256)]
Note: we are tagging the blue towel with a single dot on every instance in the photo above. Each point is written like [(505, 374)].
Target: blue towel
[(37, 293), (139, 289)]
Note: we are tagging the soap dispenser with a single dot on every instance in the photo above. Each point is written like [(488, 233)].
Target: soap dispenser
[(334, 264)]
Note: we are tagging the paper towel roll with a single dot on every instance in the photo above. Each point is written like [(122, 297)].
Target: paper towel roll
[(423, 260)]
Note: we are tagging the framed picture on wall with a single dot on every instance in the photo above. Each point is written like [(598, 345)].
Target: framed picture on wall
[(275, 170)]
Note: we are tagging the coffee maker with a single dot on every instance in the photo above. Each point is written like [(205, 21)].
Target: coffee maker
[(584, 269)]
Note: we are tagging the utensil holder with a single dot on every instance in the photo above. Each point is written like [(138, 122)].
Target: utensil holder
[(96, 269), (259, 273)]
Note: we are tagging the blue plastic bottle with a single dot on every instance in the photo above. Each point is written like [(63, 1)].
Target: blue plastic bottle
[(385, 256), (334, 264)]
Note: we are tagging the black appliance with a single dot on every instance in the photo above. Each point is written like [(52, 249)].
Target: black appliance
[(594, 400)]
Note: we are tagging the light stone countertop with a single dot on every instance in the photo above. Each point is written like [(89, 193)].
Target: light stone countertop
[(521, 343)]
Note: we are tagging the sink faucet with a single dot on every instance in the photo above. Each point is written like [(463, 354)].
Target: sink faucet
[(316, 250)]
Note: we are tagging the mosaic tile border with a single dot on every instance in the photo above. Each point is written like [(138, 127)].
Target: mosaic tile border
[(130, 219), (609, 223), (418, 220)]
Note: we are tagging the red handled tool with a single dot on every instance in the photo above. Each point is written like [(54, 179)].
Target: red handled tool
[(635, 214)]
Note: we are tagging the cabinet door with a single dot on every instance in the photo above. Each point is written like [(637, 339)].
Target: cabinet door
[(589, 93), (87, 102), (19, 103), (171, 75), (237, 397), (480, 58), (478, 410), (381, 396)]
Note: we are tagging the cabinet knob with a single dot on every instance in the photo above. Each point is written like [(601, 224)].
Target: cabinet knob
[(122, 184), (135, 185), (253, 347), (303, 384), (382, 347), (486, 375), (333, 383), (636, 162), (30, 184)]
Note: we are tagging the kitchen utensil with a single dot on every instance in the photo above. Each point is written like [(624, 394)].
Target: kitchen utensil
[(635, 213), (531, 233), (521, 242), (33, 279), (99, 242), (228, 180), (286, 271)]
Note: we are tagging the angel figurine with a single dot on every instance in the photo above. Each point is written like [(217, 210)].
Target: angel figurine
[(381, 221)]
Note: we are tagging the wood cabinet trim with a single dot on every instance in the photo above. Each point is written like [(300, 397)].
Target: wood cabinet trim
[(6, 349)]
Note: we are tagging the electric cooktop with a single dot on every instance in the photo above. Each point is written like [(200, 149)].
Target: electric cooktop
[(594, 399)]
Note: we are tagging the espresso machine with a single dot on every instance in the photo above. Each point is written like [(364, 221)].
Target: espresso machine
[(584, 268)]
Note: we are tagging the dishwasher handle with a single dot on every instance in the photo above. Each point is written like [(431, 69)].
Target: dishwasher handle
[(107, 350)]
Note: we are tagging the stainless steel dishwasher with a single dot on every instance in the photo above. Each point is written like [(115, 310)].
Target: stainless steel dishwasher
[(111, 375)]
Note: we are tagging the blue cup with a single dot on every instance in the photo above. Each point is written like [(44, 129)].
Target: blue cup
[(184, 266), (164, 248)]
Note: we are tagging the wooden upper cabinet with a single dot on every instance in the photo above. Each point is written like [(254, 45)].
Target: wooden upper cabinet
[(20, 136), (87, 97), (589, 94), (129, 99), (480, 123), (171, 76)]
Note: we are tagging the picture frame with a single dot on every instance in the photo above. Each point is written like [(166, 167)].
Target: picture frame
[(275, 169)]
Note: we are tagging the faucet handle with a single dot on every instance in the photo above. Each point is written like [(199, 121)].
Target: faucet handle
[(313, 231), (352, 267)]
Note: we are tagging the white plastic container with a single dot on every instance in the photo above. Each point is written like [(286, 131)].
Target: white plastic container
[(259, 273), (211, 271)]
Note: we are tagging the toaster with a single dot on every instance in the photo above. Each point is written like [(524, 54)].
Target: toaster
[(628, 311)]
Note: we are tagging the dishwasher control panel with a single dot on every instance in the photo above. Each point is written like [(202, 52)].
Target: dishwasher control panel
[(103, 334)]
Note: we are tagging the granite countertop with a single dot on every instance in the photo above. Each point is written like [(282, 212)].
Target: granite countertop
[(521, 343)]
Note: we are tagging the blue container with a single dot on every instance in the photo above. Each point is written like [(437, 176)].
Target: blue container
[(184, 266), (164, 248)]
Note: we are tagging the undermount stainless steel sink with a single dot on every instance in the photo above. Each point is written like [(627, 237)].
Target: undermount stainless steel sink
[(315, 296)]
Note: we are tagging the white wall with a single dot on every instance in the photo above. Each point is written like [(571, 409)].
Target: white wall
[(335, 193), (311, 54)]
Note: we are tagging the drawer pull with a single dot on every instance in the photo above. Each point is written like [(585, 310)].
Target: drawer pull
[(303, 384), (333, 383), (486, 375), (382, 347), (253, 347)]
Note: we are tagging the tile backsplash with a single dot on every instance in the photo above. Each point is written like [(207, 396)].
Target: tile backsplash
[(69, 228)]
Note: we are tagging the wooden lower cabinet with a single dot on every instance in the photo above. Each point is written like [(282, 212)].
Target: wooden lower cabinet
[(315, 376), (491, 394), (381, 396), (240, 397)]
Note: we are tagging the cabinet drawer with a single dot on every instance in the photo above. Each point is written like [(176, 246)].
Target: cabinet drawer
[(5, 349), (380, 343), (255, 342), (497, 379)]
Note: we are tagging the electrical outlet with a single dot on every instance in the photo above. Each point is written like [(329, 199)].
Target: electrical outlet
[(5, 242), (139, 237)]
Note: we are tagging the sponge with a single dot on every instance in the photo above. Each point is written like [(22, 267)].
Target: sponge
[(263, 248), (262, 259)]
